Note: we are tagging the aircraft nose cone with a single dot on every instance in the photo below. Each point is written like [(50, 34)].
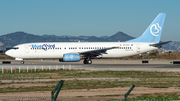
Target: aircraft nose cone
[(7, 53)]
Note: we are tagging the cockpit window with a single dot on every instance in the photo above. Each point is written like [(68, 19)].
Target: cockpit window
[(16, 48), (12, 48)]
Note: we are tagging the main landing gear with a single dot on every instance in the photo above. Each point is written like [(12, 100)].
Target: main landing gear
[(87, 61)]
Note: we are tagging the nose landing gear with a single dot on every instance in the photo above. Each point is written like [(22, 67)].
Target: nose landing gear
[(22, 62)]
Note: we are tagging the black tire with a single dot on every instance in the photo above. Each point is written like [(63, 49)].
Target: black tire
[(87, 61), (84, 61), (22, 62)]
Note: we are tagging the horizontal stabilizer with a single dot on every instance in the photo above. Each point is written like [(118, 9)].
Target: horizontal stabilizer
[(159, 44)]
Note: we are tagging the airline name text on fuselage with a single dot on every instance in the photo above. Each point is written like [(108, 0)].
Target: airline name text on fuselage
[(44, 46)]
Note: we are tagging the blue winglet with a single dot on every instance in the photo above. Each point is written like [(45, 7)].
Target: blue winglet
[(153, 32)]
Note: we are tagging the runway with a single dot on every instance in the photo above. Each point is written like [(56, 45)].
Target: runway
[(165, 65), (155, 67), (94, 61)]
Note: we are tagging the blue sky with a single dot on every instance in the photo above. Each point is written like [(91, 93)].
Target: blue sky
[(88, 17)]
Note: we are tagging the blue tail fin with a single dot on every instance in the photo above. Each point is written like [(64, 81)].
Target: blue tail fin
[(153, 32)]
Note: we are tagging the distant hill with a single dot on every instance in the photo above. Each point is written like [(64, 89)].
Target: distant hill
[(119, 36), (172, 46), (12, 39)]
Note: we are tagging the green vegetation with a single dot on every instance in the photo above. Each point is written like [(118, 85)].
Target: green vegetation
[(104, 79), (45, 74)]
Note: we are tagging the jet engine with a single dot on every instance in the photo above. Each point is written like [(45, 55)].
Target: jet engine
[(70, 57)]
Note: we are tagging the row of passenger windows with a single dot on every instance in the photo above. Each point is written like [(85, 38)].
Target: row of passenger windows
[(92, 47), (124, 48), (44, 48), (79, 48)]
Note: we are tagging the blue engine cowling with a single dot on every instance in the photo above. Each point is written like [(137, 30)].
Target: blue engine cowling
[(70, 57)]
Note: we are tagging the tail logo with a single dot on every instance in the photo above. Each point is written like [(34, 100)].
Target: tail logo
[(154, 29)]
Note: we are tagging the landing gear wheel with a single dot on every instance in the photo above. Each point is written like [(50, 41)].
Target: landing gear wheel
[(87, 61), (22, 62)]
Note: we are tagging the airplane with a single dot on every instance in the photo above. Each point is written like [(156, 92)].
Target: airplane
[(75, 51)]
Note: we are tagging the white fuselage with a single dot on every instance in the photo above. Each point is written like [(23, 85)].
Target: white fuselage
[(57, 49)]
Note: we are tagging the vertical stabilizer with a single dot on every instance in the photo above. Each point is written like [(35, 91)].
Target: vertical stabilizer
[(153, 33)]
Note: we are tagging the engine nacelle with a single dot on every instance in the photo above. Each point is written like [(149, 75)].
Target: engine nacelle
[(70, 57)]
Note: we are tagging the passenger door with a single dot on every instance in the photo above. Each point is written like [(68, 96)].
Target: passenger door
[(26, 47), (138, 48)]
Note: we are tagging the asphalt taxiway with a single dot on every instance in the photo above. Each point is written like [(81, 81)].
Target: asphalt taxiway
[(161, 67), (94, 61)]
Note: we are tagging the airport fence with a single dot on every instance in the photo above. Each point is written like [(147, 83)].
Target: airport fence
[(26, 69)]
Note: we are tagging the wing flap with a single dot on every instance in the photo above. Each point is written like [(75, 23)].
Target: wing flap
[(97, 52)]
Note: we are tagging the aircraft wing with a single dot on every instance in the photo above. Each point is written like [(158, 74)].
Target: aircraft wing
[(97, 52), (159, 44)]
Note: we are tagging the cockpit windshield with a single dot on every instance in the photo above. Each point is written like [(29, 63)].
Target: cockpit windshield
[(12, 48)]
